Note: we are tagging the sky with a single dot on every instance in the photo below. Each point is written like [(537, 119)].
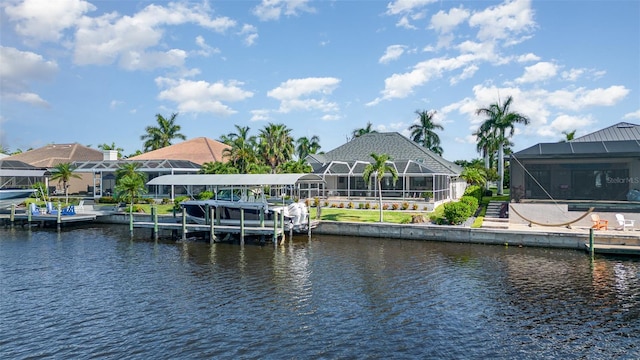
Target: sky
[(97, 72)]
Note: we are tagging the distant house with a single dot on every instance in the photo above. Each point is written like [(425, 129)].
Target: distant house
[(198, 150), (420, 170), (51, 155), (603, 165)]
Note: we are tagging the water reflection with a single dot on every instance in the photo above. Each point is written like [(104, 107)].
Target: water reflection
[(95, 292)]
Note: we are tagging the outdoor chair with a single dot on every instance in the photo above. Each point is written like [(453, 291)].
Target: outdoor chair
[(69, 210), (624, 223), (50, 209), (598, 223), (80, 206), (34, 209)]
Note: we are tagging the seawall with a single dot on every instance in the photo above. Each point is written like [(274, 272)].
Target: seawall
[(537, 236)]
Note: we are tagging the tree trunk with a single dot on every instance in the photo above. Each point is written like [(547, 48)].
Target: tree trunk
[(380, 197), (486, 166)]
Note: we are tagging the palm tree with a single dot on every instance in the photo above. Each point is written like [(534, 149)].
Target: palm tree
[(276, 145), (423, 132), (366, 130), (105, 147), (131, 169), (4, 149), (307, 146), (63, 172), (162, 135), (499, 120), (379, 168), (242, 150), (568, 136), (474, 175), (294, 167), (128, 188), (218, 168)]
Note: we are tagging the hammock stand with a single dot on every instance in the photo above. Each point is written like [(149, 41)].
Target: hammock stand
[(565, 224)]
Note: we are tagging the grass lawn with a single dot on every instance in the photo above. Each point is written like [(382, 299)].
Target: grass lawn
[(357, 215)]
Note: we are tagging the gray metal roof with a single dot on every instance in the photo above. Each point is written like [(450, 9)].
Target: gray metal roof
[(394, 144), (594, 149), (618, 132), (234, 179), (15, 168)]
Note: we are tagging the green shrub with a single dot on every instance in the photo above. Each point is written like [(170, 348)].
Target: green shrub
[(205, 195), (177, 201), (471, 201), (456, 212), (107, 200), (475, 191)]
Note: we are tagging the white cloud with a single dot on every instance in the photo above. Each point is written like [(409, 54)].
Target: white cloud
[(566, 123), (201, 96), (393, 53), (45, 20), (406, 6), (504, 21), (205, 49), (538, 72), (530, 57), (572, 74), (632, 115), (19, 69), (272, 9), (580, 98), (250, 34), (467, 73), (110, 37), (444, 22), (295, 94)]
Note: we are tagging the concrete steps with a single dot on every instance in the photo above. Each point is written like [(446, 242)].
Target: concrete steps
[(497, 215)]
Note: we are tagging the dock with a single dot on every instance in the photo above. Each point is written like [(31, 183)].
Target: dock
[(45, 220), (627, 250)]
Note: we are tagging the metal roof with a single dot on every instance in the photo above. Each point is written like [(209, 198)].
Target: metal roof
[(619, 132), (234, 179), (595, 149), (15, 168)]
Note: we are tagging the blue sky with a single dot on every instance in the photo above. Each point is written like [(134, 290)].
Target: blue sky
[(97, 72)]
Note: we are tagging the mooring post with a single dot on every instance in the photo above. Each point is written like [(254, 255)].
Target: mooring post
[(309, 225), (58, 217), (241, 225), (12, 217), (282, 223), (154, 212), (275, 229), (207, 216), (184, 223), (591, 250), (212, 234), (131, 219)]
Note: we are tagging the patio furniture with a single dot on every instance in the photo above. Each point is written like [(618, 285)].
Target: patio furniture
[(598, 223), (624, 223)]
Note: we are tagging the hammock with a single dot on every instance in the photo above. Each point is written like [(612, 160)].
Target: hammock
[(567, 224)]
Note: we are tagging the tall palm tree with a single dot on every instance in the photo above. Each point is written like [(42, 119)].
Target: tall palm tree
[(63, 172), (499, 121), (366, 130), (379, 168), (105, 147), (423, 132), (242, 150), (276, 145), (218, 168), (162, 135), (307, 146)]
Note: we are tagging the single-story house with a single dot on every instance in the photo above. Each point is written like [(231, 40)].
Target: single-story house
[(420, 171), (603, 165), (199, 150)]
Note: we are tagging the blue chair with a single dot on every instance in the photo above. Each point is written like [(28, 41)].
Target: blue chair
[(50, 209), (69, 210), (34, 209)]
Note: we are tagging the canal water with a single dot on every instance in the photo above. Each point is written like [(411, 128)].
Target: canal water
[(95, 293)]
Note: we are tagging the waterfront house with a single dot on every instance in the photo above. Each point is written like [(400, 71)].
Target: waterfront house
[(603, 165), (199, 150), (421, 172), (51, 155)]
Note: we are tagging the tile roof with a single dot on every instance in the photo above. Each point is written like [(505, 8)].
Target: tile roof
[(397, 146), (198, 150), (53, 154)]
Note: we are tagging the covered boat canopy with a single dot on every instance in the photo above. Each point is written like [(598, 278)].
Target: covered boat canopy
[(236, 179)]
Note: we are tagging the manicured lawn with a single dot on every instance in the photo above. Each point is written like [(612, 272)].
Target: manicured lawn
[(356, 215)]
